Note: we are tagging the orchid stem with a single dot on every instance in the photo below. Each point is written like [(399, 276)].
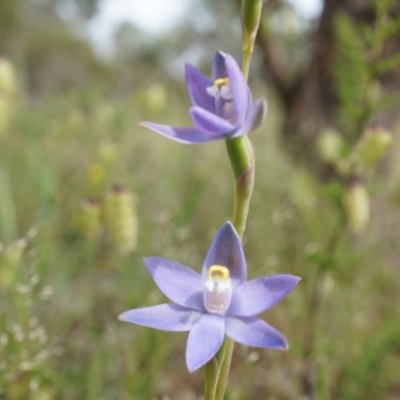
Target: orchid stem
[(225, 368), (242, 160), (247, 53), (211, 375), (241, 155)]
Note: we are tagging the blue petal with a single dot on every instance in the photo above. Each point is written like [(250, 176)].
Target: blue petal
[(179, 134), (258, 295), (205, 339), (197, 83), (254, 118), (226, 249), (239, 88), (218, 66), (209, 123), (166, 317), (252, 331), (180, 284)]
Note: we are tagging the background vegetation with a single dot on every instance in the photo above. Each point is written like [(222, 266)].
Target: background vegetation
[(70, 146)]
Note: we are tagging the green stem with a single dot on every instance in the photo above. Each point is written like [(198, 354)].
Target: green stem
[(242, 196), (242, 159), (225, 368), (247, 53), (240, 154), (211, 375)]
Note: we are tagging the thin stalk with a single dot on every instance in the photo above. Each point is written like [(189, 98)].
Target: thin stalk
[(314, 306), (241, 156), (242, 151), (247, 53), (211, 375), (225, 368)]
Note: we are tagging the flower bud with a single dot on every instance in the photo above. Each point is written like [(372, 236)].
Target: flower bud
[(356, 206), (8, 82), (89, 219), (330, 146), (251, 15), (120, 218), (370, 148)]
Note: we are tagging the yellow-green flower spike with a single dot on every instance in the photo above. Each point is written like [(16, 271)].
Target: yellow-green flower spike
[(330, 146), (356, 206), (370, 148), (8, 82), (120, 218)]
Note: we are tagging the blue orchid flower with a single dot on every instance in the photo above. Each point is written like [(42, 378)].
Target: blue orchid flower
[(216, 303), (222, 108)]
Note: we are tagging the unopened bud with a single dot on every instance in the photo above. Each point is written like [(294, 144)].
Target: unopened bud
[(356, 205), (89, 219), (251, 15), (8, 82), (330, 146), (120, 218), (370, 148)]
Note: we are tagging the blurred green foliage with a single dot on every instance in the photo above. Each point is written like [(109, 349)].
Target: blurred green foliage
[(361, 60)]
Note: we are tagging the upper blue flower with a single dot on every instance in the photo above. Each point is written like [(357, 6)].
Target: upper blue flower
[(215, 303), (222, 107)]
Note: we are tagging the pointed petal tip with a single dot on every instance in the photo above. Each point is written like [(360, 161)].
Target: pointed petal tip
[(283, 345), (204, 341), (193, 368), (147, 124), (122, 316), (226, 249), (296, 279), (228, 226), (286, 347), (147, 259)]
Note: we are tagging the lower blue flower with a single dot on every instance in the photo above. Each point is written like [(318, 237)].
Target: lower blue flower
[(216, 303)]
